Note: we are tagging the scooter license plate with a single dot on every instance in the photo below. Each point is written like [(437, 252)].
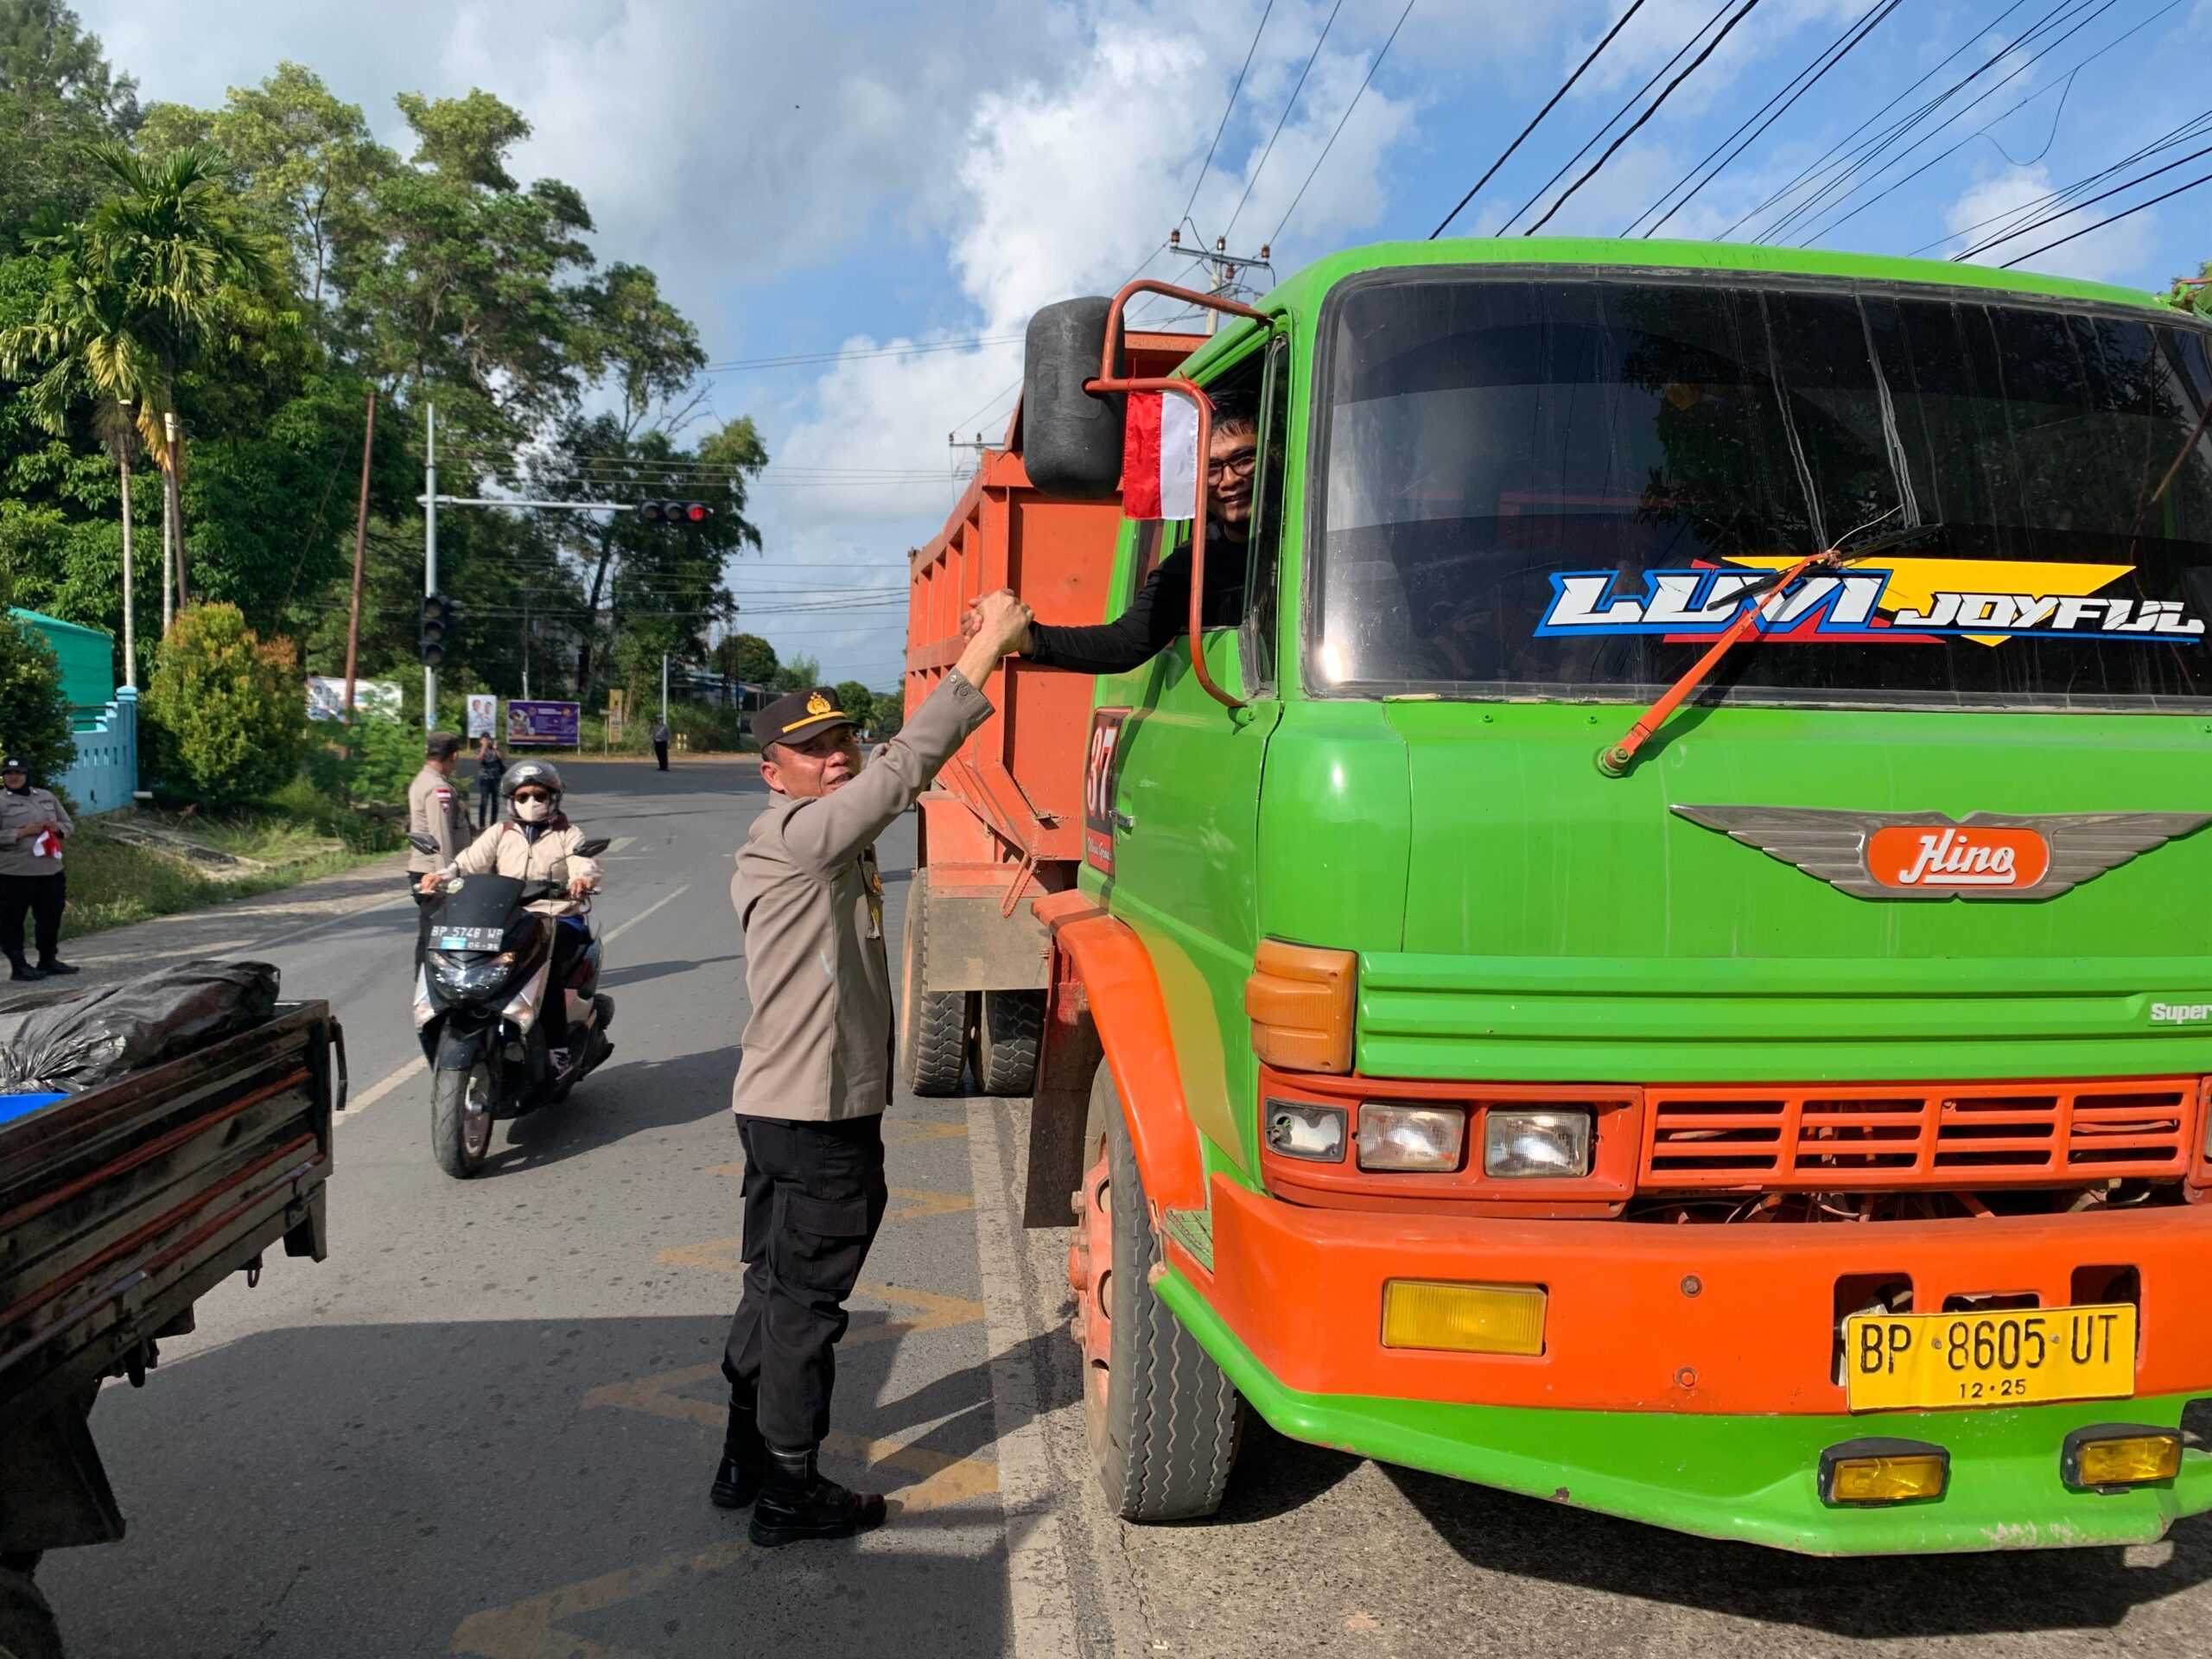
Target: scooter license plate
[(469, 938)]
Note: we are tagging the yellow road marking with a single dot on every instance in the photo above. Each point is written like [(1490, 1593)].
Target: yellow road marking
[(915, 1202), (906, 1131), (529, 1629)]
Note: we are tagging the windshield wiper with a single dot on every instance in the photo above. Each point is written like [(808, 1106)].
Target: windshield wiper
[(1615, 760)]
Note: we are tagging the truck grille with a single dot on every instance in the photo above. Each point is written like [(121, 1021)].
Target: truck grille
[(1858, 1137)]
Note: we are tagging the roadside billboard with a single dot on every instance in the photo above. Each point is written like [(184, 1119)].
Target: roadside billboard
[(546, 725), (373, 699)]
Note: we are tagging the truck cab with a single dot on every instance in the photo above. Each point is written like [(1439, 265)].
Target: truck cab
[(1664, 964)]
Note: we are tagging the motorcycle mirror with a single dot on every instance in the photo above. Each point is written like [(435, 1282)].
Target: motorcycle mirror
[(422, 843), (592, 848)]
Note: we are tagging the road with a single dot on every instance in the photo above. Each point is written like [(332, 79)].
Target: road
[(486, 1425)]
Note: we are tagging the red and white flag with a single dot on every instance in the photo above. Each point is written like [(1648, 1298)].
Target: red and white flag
[(48, 845), (1159, 457)]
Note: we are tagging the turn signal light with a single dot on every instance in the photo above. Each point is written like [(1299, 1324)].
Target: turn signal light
[(2107, 1456), (1301, 1000), (1463, 1319), (1861, 1472)]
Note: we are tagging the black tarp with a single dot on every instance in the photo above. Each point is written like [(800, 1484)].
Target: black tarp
[(82, 1040)]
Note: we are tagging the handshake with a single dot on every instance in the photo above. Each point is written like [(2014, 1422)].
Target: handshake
[(997, 619)]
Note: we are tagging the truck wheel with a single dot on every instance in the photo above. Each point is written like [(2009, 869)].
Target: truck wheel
[(932, 1025), (1007, 1035), (1163, 1420), (28, 1630), (459, 1138)]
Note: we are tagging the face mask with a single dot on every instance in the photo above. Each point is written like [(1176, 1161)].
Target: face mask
[(533, 811)]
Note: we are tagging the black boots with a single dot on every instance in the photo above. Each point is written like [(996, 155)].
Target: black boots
[(54, 965), (797, 1501), (745, 1461), (22, 969)]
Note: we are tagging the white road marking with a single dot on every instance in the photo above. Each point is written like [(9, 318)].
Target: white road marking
[(1043, 1605), (360, 1103), (670, 900), (621, 843)]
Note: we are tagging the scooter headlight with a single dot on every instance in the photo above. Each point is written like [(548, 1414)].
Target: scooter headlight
[(469, 974)]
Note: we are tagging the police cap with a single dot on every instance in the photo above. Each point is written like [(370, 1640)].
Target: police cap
[(800, 717)]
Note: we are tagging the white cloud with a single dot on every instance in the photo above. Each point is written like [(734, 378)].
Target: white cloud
[(2009, 199)]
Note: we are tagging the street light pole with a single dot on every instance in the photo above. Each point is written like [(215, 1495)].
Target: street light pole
[(430, 550)]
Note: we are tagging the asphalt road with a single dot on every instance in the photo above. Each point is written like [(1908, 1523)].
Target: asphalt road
[(484, 1426)]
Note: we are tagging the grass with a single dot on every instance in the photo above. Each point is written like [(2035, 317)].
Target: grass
[(298, 834)]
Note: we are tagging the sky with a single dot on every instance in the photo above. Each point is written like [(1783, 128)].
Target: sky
[(865, 179)]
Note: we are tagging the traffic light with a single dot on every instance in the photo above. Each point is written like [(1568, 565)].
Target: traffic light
[(674, 513), (435, 636)]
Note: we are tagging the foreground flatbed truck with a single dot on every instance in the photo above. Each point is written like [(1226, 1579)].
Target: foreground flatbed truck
[(1666, 964), (120, 1207)]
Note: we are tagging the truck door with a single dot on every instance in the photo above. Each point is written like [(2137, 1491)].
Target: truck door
[(1187, 796)]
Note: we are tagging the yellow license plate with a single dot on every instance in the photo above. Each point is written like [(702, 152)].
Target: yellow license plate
[(2018, 1356)]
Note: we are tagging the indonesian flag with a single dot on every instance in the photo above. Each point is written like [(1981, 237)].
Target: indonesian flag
[(1159, 457), (48, 845)]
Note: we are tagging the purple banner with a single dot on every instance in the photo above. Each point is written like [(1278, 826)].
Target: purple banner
[(552, 724)]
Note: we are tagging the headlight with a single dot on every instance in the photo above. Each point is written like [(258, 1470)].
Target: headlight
[(1410, 1137), (1554, 1144), (1298, 1128), (471, 974)]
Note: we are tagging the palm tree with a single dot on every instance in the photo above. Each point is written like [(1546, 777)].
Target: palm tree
[(118, 436), (163, 263)]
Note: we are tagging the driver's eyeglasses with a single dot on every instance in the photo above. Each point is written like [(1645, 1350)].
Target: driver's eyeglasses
[(1237, 464), (531, 795)]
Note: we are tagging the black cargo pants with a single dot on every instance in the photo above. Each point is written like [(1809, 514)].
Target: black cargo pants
[(814, 1196)]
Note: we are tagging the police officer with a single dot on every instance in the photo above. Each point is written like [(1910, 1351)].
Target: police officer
[(435, 808), (816, 1072), (32, 828)]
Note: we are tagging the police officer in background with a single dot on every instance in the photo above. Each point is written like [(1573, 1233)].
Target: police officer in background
[(32, 828), (435, 808), (816, 1074)]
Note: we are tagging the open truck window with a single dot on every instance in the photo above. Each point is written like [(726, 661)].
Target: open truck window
[(1563, 488)]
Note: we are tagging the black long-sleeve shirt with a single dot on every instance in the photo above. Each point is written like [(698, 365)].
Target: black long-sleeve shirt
[(1156, 618)]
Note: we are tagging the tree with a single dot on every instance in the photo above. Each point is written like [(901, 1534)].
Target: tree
[(858, 703), (57, 95), (34, 712), (889, 713), (746, 656), (223, 709), (797, 675)]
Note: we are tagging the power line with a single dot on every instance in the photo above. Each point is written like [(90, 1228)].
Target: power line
[(1827, 197), (1897, 184), (2193, 128), (1228, 109), (1634, 98), (2112, 219), (1374, 64), (1819, 164), (1727, 28), (1566, 87), (800, 358), (2050, 218), (1834, 53), (1283, 118)]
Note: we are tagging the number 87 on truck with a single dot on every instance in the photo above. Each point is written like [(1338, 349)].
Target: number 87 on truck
[(1648, 944)]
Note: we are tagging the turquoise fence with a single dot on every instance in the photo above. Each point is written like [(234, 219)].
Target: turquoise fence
[(107, 772)]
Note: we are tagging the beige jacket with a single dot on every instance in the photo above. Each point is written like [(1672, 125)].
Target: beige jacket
[(501, 850), (818, 1045), (435, 808), (19, 812)]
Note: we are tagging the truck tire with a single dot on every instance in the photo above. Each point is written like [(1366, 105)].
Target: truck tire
[(459, 1138), (28, 1628), (1007, 1032), (1163, 1420), (932, 1025)]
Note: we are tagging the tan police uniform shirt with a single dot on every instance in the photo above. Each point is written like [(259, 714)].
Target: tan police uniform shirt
[(18, 813), (817, 1047), (435, 808)]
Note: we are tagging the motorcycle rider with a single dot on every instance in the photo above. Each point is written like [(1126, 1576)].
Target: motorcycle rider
[(535, 837)]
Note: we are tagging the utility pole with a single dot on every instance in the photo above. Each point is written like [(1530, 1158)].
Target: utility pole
[(664, 687), (129, 602), (176, 505), (168, 523), (360, 556), (429, 550), (1223, 269), (526, 645)]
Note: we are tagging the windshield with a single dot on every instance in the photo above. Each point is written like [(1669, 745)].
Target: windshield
[(1564, 487)]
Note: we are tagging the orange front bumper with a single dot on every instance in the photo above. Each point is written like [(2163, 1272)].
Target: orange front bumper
[(1651, 1317)]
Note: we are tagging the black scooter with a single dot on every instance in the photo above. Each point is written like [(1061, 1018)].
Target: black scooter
[(483, 1007)]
